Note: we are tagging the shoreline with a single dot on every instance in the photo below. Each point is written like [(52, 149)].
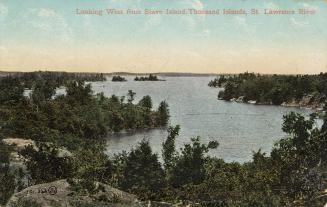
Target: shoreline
[(292, 104)]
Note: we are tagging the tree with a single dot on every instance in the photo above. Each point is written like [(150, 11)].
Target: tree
[(131, 96), (78, 92), (11, 90), (7, 179), (143, 174), (168, 148), (43, 90), (146, 102), (302, 157), (189, 168), (45, 164), (163, 114)]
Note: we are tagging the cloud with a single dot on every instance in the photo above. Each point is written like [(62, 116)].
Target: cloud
[(241, 21), (298, 24), (308, 6), (194, 4), (206, 32), (152, 21), (192, 20), (49, 26), (272, 5), (3, 10), (46, 13)]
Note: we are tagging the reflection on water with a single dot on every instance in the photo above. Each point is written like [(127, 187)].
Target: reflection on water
[(239, 128)]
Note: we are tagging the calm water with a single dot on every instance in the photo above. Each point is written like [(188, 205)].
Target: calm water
[(239, 128)]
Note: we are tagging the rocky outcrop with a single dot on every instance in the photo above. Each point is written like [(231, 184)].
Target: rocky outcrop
[(62, 193), (18, 143), (313, 101)]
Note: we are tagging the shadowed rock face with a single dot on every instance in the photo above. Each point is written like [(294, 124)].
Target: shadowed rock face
[(61, 193)]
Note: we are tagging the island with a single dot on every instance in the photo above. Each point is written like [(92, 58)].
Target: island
[(118, 78), (286, 90), (149, 78)]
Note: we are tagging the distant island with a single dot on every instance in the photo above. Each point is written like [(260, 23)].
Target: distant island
[(118, 78), (149, 78), (285, 90)]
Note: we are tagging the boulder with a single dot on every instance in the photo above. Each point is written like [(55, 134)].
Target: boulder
[(61, 193)]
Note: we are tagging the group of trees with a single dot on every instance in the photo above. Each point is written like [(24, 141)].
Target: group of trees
[(78, 113), (74, 121), (118, 78), (149, 78), (7, 177), (272, 89), (294, 174), (55, 79)]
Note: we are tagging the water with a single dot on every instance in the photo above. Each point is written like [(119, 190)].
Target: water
[(239, 128)]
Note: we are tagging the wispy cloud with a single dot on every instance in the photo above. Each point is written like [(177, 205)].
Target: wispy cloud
[(308, 6), (192, 20), (3, 10), (51, 25), (298, 24)]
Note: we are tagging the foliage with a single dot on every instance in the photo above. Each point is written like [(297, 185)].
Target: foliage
[(293, 174), (45, 163), (272, 89), (143, 173), (189, 167), (11, 90), (118, 78), (146, 102), (168, 148), (163, 114), (7, 178), (149, 78)]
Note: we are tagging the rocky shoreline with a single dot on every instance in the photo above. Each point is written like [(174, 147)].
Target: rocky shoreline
[(308, 102)]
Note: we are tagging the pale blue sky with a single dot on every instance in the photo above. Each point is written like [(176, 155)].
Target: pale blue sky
[(49, 34)]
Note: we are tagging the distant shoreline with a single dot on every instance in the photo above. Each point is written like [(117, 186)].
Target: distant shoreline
[(167, 74)]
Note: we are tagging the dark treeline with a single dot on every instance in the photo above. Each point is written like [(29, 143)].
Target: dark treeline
[(273, 89), (293, 174), (118, 78), (54, 79), (149, 78)]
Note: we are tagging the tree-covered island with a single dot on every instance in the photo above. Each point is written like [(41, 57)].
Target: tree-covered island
[(151, 77), (118, 78), (287, 90)]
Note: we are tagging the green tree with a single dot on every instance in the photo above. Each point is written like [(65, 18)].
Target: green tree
[(43, 90), (131, 95), (169, 153), (78, 92), (302, 158), (7, 179), (46, 164), (190, 166), (146, 102), (143, 174), (163, 113), (11, 90)]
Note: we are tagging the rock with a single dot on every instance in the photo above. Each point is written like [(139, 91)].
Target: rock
[(61, 193), (240, 99), (18, 143), (252, 102), (155, 204)]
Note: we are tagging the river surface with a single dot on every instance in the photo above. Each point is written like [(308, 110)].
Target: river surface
[(239, 128)]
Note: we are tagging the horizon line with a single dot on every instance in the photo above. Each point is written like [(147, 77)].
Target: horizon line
[(162, 73)]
